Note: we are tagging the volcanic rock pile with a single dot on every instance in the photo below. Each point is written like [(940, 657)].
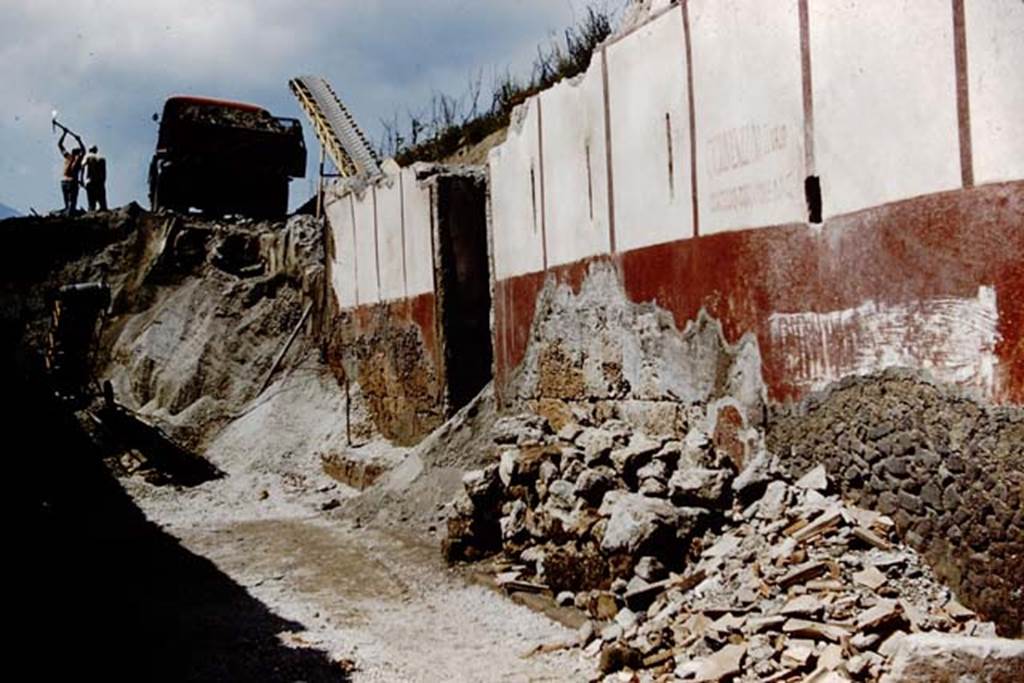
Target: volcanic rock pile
[(692, 570)]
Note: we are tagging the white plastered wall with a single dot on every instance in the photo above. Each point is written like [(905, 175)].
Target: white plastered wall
[(748, 96), (995, 67), (389, 235), (516, 211), (647, 81), (419, 259), (885, 108), (575, 168), (366, 253), (343, 269)]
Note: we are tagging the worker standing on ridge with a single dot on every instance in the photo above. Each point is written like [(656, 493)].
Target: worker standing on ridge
[(95, 179), (72, 173)]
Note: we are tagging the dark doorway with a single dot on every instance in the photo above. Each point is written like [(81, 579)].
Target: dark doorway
[(464, 294)]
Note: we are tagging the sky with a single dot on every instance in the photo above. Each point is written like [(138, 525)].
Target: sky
[(108, 65)]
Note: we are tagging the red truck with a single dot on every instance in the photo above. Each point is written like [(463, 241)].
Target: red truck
[(224, 157)]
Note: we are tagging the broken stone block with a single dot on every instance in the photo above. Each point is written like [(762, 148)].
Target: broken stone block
[(638, 453), (603, 605), (609, 501), (695, 485), (640, 594), (572, 568), (594, 482), (797, 653), (803, 605), (529, 461), (803, 573), (771, 623), (864, 641), (650, 569), (626, 618), (655, 469), (670, 453), (512, 429), (883, 613), (754, 477), (722, 664), (814, 630), (636, 584), (871, 538), (635, 521), (481, 485), (615, 657), (928, 657), (569, 432), (773, 501), (595, 443), (890, 645), (957, 611), (547, 473), (652, 488), (572, 469), (560, 494), (507, 465), (869, 577), (582, 521), (815, 480), (463, 505), (513, 524)]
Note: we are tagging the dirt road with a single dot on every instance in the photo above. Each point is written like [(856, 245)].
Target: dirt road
[(389, 605)]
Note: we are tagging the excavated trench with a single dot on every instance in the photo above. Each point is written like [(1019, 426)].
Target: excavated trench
[(210, 350), (197, 350)]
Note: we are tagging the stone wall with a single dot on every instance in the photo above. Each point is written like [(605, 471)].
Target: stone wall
[(949, 471), (387, 357), (594, 353), (408, 297)]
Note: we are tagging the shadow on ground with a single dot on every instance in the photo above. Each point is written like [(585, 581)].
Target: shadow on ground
[(100, 590)]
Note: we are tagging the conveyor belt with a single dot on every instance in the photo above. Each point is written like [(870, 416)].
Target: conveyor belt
[(335, 127)]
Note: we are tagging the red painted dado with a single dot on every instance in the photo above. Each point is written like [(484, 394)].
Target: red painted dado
[(914, 254), (422, 311), (417, 310), (515, 301)]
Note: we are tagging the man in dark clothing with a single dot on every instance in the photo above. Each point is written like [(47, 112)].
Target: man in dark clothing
[(95, 179), (72, 173)]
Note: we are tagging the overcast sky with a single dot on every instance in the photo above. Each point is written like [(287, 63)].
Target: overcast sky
[(108, 65)]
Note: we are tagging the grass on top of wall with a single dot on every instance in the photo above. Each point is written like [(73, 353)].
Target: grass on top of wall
[(451, 123)]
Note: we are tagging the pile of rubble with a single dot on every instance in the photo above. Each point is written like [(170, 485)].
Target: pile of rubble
[(691, 570)]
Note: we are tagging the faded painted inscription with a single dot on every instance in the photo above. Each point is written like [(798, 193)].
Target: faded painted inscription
[(737, 148), (753, 194)]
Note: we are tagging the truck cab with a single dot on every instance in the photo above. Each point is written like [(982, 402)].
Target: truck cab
[(223, 157)]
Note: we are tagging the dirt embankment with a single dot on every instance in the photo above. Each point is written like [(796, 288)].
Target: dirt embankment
[(209, 339), (200, 309)]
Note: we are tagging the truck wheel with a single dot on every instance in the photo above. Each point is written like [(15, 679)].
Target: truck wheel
[(273, 202), (279, 206)]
